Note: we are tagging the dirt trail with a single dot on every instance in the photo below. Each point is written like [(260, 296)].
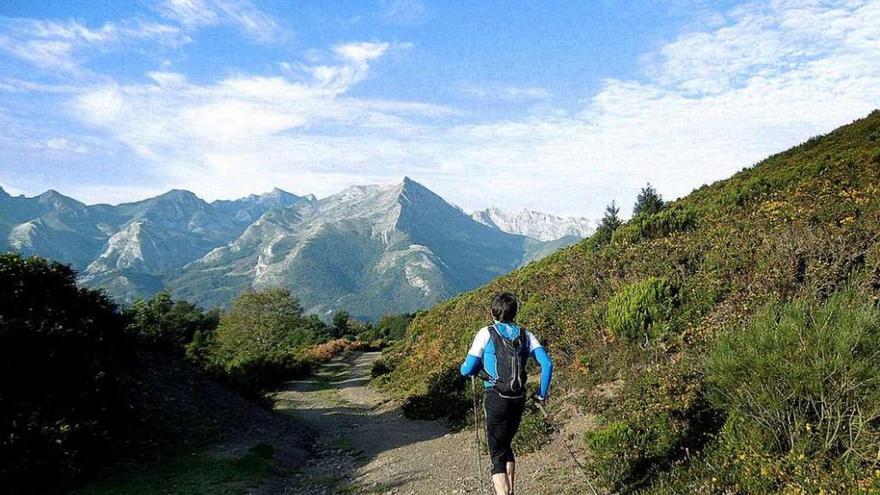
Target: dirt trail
[(366, 446)]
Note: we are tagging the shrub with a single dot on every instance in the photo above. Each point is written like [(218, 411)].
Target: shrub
[(61, 351), (445, 397), (803, 377), (660, 224), (634, 310), (380, 368), (325, 351), (616, 455), (533, 433)]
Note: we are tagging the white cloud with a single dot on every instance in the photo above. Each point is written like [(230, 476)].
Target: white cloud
[(62, 144), (65, 44), (243, 14), (505, 92)]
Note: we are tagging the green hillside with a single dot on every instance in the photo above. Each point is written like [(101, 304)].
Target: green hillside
[(630, 325)]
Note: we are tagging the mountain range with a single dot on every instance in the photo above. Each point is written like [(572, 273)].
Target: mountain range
[(368, 249)]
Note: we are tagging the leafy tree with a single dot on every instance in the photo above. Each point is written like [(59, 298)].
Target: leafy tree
[(393, 327), (163, 322), (648, 202), (609, 223), (260, 340), (262, 324)]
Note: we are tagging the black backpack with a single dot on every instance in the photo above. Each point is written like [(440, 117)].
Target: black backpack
[(511, 357)]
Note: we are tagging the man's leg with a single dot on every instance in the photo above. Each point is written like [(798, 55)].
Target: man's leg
[(514, 419), (497, 435), (499, 481)]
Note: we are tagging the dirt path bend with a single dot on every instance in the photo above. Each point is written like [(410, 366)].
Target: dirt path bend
[(366, 446)]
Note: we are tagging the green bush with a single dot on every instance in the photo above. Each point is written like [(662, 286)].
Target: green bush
[(445, 397), (533, 433), (61, 352), (380, 368), (635, 309), (802, 378), (623, 452), (616, 451), (660, 224)]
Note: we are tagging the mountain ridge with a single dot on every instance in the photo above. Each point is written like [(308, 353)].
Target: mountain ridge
[(400, 241)]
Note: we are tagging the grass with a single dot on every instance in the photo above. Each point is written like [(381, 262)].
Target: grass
[(197, 473)]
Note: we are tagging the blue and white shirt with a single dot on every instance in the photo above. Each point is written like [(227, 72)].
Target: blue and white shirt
[(482, 355)]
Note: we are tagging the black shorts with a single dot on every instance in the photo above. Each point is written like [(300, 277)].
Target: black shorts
[(502, 420)]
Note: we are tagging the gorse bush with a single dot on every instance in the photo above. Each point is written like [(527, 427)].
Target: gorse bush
[(803, 378), (634, 310), (61, 350)]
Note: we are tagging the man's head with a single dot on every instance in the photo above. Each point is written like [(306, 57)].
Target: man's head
[(504, 307)]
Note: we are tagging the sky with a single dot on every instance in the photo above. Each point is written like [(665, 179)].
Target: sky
[(556, 106)]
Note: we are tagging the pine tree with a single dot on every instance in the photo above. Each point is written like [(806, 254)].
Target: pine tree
[(648, 201), (610, 222)]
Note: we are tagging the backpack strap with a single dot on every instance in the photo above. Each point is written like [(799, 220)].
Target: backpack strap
[(486, 377)]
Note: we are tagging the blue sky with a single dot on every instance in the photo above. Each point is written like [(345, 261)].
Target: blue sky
[(555, 106)]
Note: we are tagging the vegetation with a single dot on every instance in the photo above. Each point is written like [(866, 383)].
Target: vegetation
[(648, 202), (60, 351), (635, 311), (165, 323), (802, 381), (609, 223), (797, 228), (70, 387)]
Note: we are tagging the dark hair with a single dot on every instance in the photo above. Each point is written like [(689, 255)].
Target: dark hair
[(504, 307)]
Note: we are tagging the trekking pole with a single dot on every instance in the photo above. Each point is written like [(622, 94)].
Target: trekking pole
[(564, 443), (477, 438)]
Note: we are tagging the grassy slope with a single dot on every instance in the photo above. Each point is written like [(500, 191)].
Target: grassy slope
[(802, 221)]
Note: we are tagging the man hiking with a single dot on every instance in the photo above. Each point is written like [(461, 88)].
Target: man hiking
[(499, 355)]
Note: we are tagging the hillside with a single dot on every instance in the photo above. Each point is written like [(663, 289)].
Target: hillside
[(800, 224)]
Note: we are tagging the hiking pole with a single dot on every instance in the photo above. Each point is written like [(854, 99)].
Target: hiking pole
[(564, 443), (477, 438)]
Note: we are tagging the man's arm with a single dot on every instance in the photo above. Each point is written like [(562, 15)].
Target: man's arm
[(473, 363), (471, 366), (537, 351)]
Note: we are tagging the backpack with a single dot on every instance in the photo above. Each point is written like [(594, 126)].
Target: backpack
[(511, 357)]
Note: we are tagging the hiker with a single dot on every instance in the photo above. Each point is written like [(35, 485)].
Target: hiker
[(499, 355)]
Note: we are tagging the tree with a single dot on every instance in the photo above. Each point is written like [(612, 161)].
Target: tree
[(162, 322), (262, 324), (648, 201), (609, 223), (341, 324)]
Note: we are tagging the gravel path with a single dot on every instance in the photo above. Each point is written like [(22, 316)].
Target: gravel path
[(366, 446)]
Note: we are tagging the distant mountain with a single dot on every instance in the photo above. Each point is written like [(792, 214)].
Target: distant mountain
[(368, 249), (534, 224)]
